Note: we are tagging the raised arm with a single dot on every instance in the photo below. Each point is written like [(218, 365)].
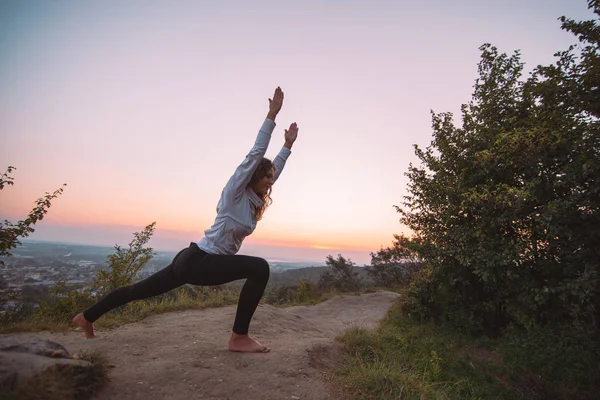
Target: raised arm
[(290, 135), (243, 173)]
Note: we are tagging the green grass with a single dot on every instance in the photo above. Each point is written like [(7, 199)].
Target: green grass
[(55, 316), (35, 324), (63, 382), (309, 300), (404, 359), (413, 364), (199, 298)]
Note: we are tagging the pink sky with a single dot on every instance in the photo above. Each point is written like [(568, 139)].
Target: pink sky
[(145, 108)]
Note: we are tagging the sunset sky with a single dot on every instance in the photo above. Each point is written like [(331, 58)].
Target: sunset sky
[(145, 109)]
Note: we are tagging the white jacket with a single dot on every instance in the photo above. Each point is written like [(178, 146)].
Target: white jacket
[(235, 212)]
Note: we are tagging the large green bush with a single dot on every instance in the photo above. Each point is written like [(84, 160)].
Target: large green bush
[(506, 209)]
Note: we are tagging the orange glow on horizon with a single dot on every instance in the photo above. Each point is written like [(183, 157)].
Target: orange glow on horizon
[(315, 243), (322, 247), (169, 224)]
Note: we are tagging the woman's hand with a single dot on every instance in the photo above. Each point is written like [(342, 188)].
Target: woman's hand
[(275, 104), (291, 135)]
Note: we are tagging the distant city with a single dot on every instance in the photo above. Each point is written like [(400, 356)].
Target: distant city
[(45, 263)]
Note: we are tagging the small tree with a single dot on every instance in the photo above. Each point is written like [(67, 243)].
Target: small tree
[(340, 275), (125, 264), (394, 266), (9, 232), (123, 267)]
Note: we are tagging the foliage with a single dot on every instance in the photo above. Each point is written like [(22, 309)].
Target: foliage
[(15, 314), (11, 232), (64, 302), (302, 292), (123, 267), (186, 297), (394, 266), (305, 291), (566, 355), (339, 276), (409, 360), (54, 314), (506, 208), (125, 264)]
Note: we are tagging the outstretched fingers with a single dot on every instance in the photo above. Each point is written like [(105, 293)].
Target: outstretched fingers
[(277, 101), (292, 133)]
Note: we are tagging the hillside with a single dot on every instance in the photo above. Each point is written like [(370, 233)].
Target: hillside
[(183, 355)]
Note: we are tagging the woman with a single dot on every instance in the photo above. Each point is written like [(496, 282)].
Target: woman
[(212, 260)]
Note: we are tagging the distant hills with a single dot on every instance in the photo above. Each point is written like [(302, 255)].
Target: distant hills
[(46, 252), (45, 263)]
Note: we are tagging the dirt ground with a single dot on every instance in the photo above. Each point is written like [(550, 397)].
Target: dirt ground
[(183, 355)]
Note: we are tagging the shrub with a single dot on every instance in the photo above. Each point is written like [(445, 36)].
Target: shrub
[(339, 276)]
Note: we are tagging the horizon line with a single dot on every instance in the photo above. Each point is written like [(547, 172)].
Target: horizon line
[(270, 259)]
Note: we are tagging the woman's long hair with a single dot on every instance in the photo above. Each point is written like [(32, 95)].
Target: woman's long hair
[(261, 171)]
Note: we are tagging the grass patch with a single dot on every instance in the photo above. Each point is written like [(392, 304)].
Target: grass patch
[(408, 360), (304, 293), (316, 298), (412, 363), (63, 382), (31, 324), (191, 298), (56, 315)]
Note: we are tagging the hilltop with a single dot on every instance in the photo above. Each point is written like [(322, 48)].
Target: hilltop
[(182, 355)]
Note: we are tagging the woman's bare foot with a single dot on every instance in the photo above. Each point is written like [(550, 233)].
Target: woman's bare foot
[(246, 344), (86, 326)]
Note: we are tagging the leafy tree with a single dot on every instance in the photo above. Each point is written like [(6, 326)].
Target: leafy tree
[(394, 266), (125, 264), (505, 210), (9, 232), (340, 275)]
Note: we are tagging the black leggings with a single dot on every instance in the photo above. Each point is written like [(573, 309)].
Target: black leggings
[(196, 267)]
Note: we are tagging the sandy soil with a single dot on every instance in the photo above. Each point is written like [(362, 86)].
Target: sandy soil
[(183, 355)]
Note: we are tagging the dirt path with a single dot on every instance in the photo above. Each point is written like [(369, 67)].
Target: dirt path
[(183, 355)]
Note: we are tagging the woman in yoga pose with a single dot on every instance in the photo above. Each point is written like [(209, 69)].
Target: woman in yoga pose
[(213, 260)]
